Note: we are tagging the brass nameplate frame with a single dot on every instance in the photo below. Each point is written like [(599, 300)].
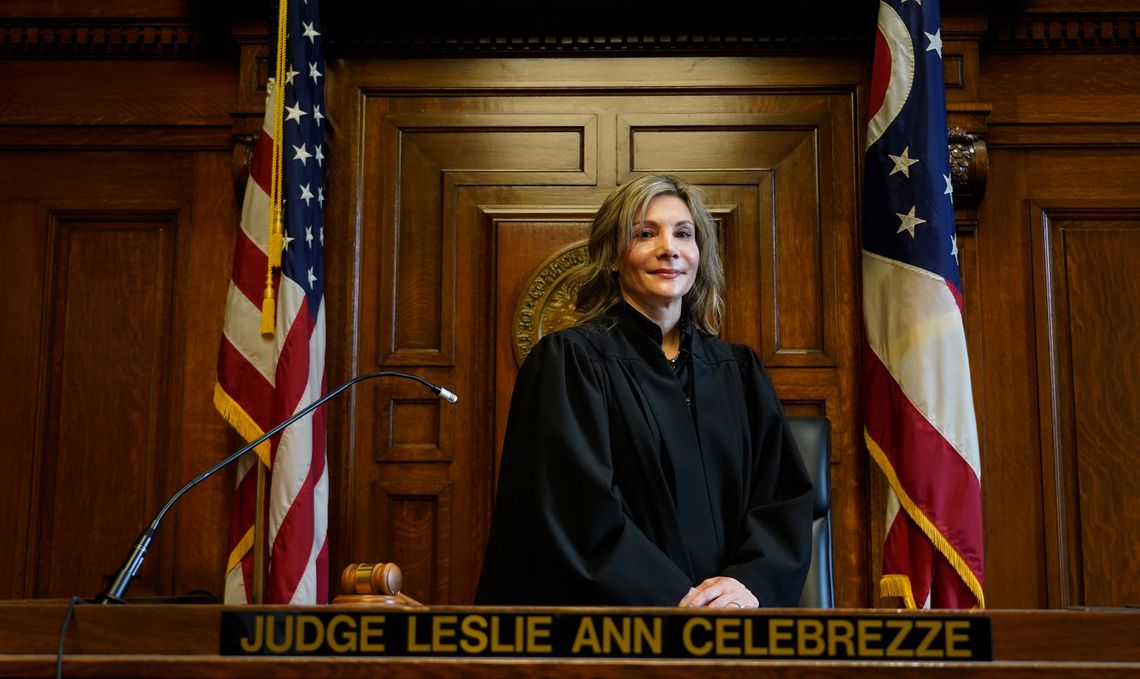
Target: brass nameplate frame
[(672, 634)]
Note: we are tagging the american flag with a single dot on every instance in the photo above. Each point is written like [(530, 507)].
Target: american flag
[(263, 379), (920, 426)]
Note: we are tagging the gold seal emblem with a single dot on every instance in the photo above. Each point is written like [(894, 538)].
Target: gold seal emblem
[(547, 304)]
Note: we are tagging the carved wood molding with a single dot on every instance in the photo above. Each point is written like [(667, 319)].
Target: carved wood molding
[(599, 27), (1065, 33), (969, 166), (102, 39), (530, 44)]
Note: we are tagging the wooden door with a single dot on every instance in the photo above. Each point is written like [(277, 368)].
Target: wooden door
[(465, 177)]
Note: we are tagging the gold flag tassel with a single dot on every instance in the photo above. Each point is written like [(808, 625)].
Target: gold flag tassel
[(276, 239)]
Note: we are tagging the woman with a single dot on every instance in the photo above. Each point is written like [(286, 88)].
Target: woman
[(647, 462)]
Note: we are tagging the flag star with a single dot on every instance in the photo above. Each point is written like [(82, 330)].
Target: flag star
[(903, 162), (289, 75), (908, 222), (320, 155), (286, 239), (954, 247), (312, 278), (307, 195), (321, 195), (935, 42), (310, 33), (309, 235), (317, 114), (949, 187), (295, 113), (322, 235), (302, 154), (314, 73)]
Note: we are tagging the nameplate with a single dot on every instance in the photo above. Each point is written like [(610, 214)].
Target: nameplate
[(535, 634)]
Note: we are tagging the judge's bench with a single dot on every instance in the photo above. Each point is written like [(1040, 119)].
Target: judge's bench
[(206, 640)]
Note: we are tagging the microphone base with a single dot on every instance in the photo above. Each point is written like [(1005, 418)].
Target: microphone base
[(105, 598)]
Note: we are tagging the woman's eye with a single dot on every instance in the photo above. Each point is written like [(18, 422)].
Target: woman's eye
[(644, 233), (684, 233)]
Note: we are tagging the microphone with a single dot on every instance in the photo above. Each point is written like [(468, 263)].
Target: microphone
[(123, 576)]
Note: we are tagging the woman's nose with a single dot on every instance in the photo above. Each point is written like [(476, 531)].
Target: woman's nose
[(666, 246)]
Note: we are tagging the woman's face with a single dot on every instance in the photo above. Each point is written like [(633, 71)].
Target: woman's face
[(661, 264)]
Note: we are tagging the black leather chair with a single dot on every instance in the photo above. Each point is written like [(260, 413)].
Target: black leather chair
[(813, 436)]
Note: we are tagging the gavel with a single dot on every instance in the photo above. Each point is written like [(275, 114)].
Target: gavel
[(374, 584)]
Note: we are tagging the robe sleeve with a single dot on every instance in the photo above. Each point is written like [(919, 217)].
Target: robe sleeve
[(774, 551), (559, 533)]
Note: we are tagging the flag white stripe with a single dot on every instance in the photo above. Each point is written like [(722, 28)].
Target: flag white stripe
[(914, 325), (243, 331), (255, 215)]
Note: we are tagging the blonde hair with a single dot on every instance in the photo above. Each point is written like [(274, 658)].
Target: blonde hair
[(610, 237)]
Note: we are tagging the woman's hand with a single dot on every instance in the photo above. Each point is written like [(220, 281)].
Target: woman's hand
[(720, 592)]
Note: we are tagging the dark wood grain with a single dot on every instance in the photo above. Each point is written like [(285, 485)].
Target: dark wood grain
[(164, 640)]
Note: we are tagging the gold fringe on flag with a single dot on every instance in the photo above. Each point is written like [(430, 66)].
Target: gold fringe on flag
[(897, 586), (239, 419), (891, 587)]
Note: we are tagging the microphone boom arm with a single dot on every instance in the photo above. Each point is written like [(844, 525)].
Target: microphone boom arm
[(122, 579)]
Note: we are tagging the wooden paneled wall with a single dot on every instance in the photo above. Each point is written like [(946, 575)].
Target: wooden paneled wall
[(467, 185), (452, 180), (118, 238), (1058, 244)]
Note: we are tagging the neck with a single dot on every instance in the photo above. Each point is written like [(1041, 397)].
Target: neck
[(668, 318)]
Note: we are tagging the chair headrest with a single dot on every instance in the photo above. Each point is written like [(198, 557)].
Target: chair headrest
[(813, 436)]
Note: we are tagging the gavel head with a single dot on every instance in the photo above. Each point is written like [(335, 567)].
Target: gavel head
[(371, 578)]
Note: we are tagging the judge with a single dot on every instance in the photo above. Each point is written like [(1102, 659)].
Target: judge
[(646, 461)]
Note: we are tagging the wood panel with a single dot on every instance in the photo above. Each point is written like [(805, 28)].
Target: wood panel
[(99, 419), (1089, 399), (1053, 159), (117, 197), (463, 196), (1030, 472), (103, 419)]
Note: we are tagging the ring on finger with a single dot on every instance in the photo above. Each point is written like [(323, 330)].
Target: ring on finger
[(734, 603)]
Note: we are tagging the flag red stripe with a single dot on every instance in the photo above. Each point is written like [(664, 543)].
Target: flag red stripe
[(261, 164), (242, 514), (250, 265), (906, 550), (943, 486), (245, 497), (292, 375), (245, 385), (948, 589)]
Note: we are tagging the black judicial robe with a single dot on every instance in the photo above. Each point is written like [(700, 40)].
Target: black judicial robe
[(611, 493)]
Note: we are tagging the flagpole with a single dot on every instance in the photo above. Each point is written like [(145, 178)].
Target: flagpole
[(257, 596)]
